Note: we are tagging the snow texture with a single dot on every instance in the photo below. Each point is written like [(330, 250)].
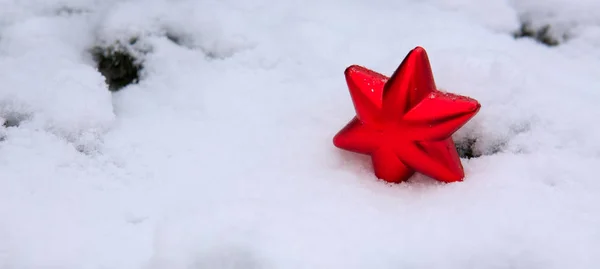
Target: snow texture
[(221, 156), (565, 19)]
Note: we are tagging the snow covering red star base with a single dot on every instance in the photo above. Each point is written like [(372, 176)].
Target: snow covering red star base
[(404, 123)]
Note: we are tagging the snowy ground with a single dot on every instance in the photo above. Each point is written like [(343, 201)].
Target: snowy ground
[(221, 156)]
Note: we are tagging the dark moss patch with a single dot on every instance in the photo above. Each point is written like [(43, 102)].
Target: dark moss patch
[(70, 11), (186, 41), (13, 119), (118, 66), (466, 148), (541, 35), (175, 38), (11, 123)]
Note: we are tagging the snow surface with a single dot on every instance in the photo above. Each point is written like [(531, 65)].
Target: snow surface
[(221, 157)]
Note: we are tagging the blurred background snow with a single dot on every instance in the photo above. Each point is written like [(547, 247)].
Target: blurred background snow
[(219, 153)]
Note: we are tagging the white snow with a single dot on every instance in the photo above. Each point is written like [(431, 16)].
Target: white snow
[(221, 156), (565, 18)]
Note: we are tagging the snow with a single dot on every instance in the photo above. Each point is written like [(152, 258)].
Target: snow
[(221, 156), (565, 18)]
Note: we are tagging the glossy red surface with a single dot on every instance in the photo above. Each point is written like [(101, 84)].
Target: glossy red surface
[(404, 123)]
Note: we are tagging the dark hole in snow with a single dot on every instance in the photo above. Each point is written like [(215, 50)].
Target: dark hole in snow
[(541, 35), (69, 11), (82, 149), (175, 38), (13, 119), (118, 67), (466, 149), (11, 122), (185, 41), (211, 52)]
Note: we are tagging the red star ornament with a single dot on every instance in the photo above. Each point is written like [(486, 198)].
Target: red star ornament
[(404, 123)]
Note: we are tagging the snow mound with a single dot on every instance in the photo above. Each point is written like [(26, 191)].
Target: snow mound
[(497, 15), (214, 29), (48, 81)]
